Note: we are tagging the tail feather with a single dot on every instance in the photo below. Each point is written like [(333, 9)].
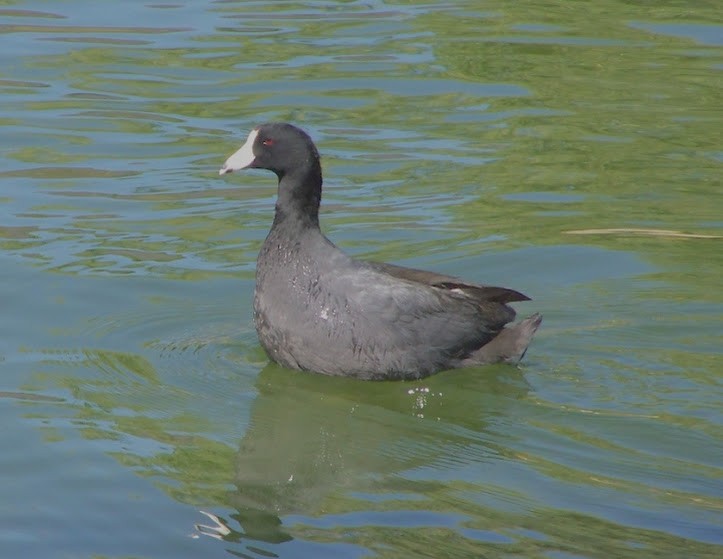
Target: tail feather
[(510, 345)]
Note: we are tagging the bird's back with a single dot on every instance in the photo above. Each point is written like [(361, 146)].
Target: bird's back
[(317, 309)]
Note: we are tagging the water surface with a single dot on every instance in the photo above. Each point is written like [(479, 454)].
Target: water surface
[(571, 152)]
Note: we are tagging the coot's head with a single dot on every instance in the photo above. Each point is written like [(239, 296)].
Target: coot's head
[(278, 147), (289, 152)]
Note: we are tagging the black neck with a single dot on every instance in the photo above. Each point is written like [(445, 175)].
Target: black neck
[(299, 197)]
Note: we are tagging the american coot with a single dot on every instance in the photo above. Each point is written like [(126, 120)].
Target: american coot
[(318, 309)]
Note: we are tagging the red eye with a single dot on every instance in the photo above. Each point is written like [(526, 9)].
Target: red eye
[(268, 142)]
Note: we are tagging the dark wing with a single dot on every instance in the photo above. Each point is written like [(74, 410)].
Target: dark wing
[(481, 293), (411, 320)]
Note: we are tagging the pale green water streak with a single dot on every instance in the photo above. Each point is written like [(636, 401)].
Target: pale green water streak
[(571, 151)]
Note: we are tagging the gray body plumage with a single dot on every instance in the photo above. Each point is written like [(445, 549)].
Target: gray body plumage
[(318, 309)]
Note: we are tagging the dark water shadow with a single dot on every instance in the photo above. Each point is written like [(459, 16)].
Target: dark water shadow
[(313, 442)]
